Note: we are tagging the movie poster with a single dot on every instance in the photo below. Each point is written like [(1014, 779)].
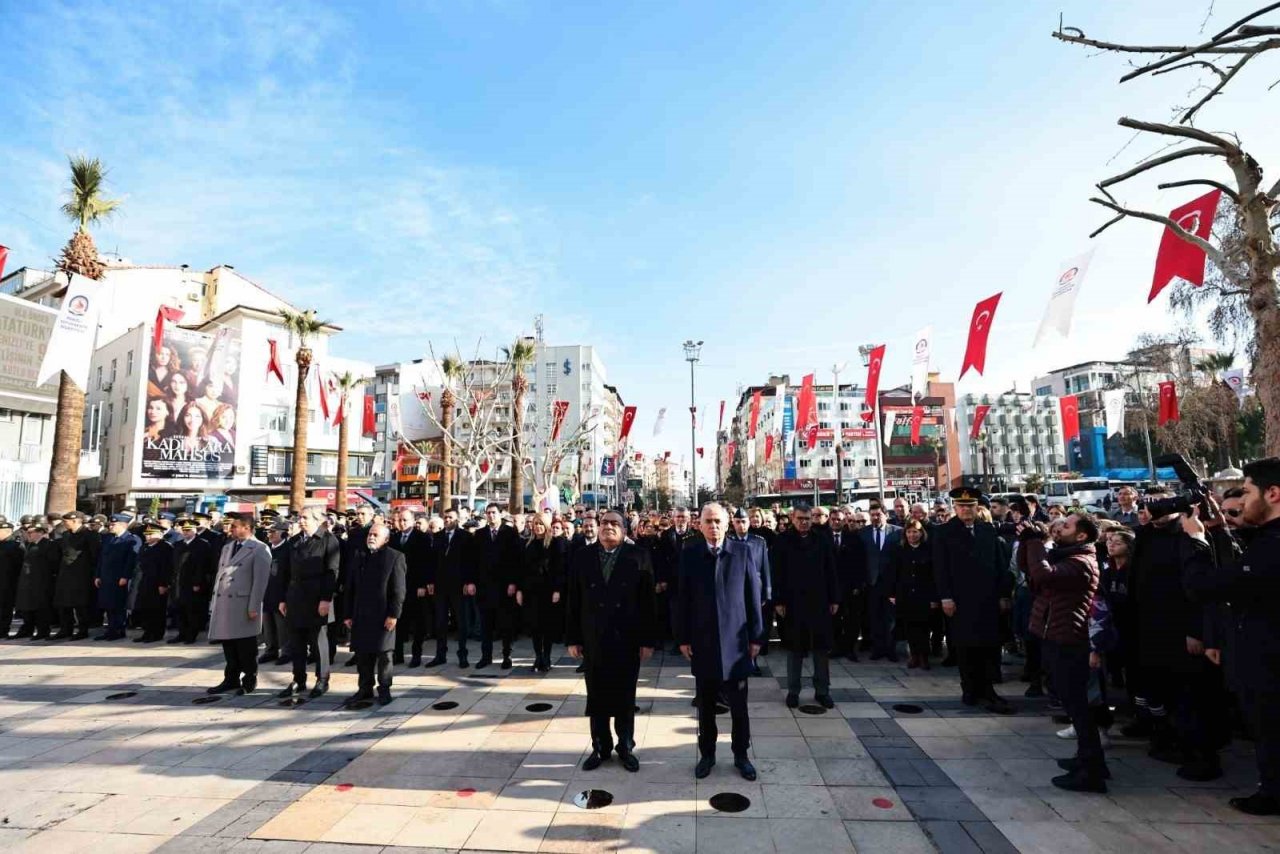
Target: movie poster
[(189, 419)]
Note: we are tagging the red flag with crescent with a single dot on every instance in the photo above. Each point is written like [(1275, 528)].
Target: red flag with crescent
[(1168, 404), (167, 313), (370, 424), (768, 446), (4, 256), (1070, 410), (273, 361), (917, 418), (628, 417), (975, 352), (1182, 258), (559, 409), (807, 404), (324, 397), (811, 436), (700, 450), (728, 454), (755, 414), (873, 377), (979, 415)]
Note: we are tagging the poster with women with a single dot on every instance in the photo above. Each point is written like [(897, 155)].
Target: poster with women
[(189, 419)]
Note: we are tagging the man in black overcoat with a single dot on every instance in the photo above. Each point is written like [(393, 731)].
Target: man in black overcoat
[(10, 569), (806, 595), (492, 571), (155, 576), (194, 565), (974, 583), (610, 624), (415, 622), (73, 594), (34, 598), (375, 598), (449, 549), (309, 578)]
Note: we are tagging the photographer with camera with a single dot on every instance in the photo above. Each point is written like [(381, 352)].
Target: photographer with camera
[(1251, 584)]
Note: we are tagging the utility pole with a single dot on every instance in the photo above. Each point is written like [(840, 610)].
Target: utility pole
[(865, 352), (839, 431), (692, 352)]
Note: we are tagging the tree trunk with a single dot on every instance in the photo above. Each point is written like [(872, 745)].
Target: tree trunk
[(340, 493), (516, 500), (298, 485), (64, 471), (446, 451)]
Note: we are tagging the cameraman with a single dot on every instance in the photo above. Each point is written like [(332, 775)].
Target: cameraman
[(1251, 584)]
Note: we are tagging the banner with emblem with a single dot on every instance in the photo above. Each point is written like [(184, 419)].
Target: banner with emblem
[(920, 363), (1062, 302), (74, 332), (1113, 411), (1234, 379)]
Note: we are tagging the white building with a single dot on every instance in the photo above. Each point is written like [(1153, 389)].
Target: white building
[(1021, 435), (26, 410)]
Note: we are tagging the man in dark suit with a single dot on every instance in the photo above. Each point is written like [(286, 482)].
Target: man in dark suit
[(359, 521), (740, 531), (309, 579), (721, 629), (670, 545), (375, 597), (444, 584), (609, 623), (851, 569), (971, 568), (492, 572), (879, 539), (806, 596), (194, 565), (415, 621)]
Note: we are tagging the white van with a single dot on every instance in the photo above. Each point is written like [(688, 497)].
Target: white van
[(1087, 492)]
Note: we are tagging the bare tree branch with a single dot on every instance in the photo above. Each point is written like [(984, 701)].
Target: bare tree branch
[(1209, 65), (1192, 133), (1107, 225), (1209, 249), (1160, 161), (1230, 193), (1258, 13), (1216, 90), (1214, 46), (1073, 35)]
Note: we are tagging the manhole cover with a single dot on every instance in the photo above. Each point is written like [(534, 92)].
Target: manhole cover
[(813, 710), (291, 702), (730, 802), (204, 701), (592, 799), (123, 695), (908, 708), (882, 803), (722, 709), (444, 705), (360, 704), (538, 707)]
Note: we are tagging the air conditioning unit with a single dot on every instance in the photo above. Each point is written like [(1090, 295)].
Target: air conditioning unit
[(241, 469), (106, 386), (193, 296)]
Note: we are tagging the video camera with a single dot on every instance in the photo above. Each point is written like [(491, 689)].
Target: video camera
[(1193, 494)]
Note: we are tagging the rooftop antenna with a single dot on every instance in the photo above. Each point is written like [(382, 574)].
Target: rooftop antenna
[(538, 327)]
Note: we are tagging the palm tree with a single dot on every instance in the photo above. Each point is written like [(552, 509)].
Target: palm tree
[(451, 371), (1215, 363), (86, 206), (346, 384), (519, 356), (302, 325)]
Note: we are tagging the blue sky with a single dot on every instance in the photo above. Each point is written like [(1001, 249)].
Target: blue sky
[(784, 181)]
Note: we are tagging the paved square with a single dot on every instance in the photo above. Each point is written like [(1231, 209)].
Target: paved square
[(102, 750)]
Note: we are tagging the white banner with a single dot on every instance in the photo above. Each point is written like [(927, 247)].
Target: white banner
[(1113, 408), (74, 332), (888, 428), (1234, 379), (920, 363), (657, 425), (751, 452), (779, 403), (1062, 302)]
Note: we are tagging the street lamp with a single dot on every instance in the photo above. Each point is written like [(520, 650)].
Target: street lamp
[(692, 351), (865, 352), (839, 431)]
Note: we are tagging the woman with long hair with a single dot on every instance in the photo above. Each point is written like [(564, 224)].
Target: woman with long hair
[(165, 362), (157, 419), (208, 399), (191, 427), (541, 588), (177, 393), (913, 594), (222, 425)]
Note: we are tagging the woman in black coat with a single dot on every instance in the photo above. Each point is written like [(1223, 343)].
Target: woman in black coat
[(912, 591), (542, 583), (374, 598)]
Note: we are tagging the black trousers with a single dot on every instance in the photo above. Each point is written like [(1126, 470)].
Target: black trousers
[(624, 725), (151, 621), (75, 619), (370, 663), (414, 624), (735, 694), (974, 663), (37, 621), (191, 616), (242, 658), (850, 622), (880, 621), (1068, 669), (939, 630), (1262, 708), (918, 637), (306, 642), (446, 604), (6, 608), (1035, 655)]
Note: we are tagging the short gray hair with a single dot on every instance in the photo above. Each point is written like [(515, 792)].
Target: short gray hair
[(717, 507)]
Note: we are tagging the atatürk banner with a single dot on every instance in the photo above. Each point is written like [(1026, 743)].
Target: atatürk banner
[(189, 419)]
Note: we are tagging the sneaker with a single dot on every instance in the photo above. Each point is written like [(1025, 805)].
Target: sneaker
[(1068, 733)]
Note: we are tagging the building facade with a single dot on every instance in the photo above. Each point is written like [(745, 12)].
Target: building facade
[(1020, 436)]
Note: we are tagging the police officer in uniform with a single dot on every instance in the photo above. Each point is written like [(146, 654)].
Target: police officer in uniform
[(155, 577), (78, 549), (11, 555), (35, 585), (194, 564), (116, 568)]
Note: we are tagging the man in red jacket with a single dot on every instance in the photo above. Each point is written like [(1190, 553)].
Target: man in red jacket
[(1065, 580)]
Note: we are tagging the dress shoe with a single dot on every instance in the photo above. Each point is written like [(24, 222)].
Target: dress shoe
[(436, 662), (247, 686), (969, 699), (143, 638), (704, 766), (268, 657), (506, 662), (628, 760), (912, 663), (1139, 727), (1202, 769), (998, 705), (44, 636), (875, 656), (949, 660), (745, 768), (174, 639), (593, 760), (893, 656), (852, 656), (290, 690), (397, 659), (21, 633), (80, 636), (322, 688), (463, 662), (416, 661), (484, 662), (62, 635), (580, 668), (1074, 764), (223, 687), (1257, 804), (284, 659), (350, 662), (1165, 752), (1033, 690), (825, 701), (793, 701), (384, 696), (1081, 780), (358, 697), (189, 642)]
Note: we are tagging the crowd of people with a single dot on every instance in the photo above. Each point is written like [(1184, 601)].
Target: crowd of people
[(1162, 611)]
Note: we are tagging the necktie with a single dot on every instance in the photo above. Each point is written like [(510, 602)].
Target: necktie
[(606, 564), (235, 550), (404, 538), (715, 551), (879, 544), (837, 539)]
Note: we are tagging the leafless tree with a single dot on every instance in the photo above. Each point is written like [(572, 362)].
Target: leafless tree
[(571, 440), (1246, 265)]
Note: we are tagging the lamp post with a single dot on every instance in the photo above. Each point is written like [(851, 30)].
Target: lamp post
[(839, 431), (865, 352), (692, 351)]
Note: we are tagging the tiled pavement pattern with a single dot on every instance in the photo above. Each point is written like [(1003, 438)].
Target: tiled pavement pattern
[(153, 772)]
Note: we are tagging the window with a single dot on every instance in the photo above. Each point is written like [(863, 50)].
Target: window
[(120, 463), (804, 464), (111, 411), (848, 464), (99, 377), (828, 463), (113, 370), (106, 458), (1044, 391), (844, 406), (824, 405), (128, 364), (124, 412), (274, 419), (276, 462), (869, 463)]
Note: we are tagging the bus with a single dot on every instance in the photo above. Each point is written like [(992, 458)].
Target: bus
[(1088, 492)]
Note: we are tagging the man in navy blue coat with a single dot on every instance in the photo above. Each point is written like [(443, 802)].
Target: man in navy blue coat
[(879, 539), (740, 531), (720, 631)]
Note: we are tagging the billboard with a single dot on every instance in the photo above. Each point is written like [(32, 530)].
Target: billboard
[(188, 422), (25, 328), (420, 387)]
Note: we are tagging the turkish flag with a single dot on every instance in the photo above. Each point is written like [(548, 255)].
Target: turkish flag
[(341, 411), (917, 418), (666, 455), (628, 417), (1070, 409), (1181, 258), (560, 408), (484, 467), (755, 414), (370, 425), (273, 361), (807, 404), (170, 313), (324, 397), (1168, 404), (728, 455), (873, 377), (700, 450), (768, 446), (979, 415), (4, 256), (812, 437), (975, 352)]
